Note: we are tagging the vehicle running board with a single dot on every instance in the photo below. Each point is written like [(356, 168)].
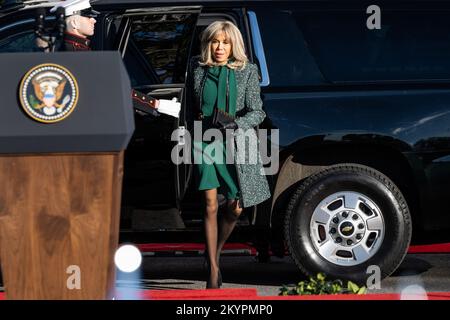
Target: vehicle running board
[(150, 220)]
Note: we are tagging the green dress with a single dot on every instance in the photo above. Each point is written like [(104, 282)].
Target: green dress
[(213, 171)]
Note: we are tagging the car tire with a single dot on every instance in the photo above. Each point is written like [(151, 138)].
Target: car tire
[(346, 218)]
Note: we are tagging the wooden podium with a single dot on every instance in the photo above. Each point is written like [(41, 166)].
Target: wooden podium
[(60, 183)]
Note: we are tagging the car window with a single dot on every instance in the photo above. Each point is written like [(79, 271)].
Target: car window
[(17, 33), (20, 42), (308, 47), (158, 48), (409, 45), (288, 59)]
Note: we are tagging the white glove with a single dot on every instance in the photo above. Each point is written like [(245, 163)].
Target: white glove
[(169, 107)]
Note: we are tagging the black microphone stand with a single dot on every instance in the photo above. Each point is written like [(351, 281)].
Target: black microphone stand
[(49, 34)]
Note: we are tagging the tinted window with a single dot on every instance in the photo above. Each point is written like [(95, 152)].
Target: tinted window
[(288, 60), (17, 32), (158, 48), (307, 46), (21, 42), (409, 45)]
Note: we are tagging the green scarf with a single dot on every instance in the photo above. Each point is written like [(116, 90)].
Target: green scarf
[(215, 90)]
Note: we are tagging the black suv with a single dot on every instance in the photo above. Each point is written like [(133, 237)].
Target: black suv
[(363, 116)]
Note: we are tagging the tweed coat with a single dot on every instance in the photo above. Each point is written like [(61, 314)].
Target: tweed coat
[(253, 185)]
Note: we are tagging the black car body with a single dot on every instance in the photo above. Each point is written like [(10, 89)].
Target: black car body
[(363, 115)]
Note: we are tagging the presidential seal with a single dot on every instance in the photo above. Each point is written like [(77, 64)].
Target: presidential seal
[(48, 93)]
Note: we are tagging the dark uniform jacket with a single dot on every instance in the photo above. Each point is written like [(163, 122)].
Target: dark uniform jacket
[(72, 42)]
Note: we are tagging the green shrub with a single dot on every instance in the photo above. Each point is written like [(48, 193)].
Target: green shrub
[(319, 285)]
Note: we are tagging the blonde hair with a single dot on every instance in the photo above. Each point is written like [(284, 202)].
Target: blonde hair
[(233, 34)]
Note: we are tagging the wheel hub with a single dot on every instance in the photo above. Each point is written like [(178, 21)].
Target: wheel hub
[(347, 228)]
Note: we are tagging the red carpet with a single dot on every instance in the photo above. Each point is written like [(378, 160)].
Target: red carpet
[(384, 296), (211, 294), (430, 248), (251, 294)]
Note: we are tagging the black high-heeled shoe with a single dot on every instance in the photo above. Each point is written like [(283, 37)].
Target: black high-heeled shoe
[(206, 264), (219, 280)]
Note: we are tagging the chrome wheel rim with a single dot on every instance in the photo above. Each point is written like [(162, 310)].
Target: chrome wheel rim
[(347, 228)]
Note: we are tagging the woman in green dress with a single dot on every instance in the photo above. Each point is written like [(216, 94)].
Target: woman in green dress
[(223, 78)]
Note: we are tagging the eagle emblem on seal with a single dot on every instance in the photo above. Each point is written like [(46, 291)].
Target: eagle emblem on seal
[(48, 93)]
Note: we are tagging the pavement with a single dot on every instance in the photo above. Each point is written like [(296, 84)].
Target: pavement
[(427, 272), (419, 272)]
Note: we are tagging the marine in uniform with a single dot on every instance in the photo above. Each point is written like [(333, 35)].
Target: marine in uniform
[(80, 24)]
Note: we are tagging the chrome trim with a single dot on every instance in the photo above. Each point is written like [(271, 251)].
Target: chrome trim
[(126, 34), (125, 45), (259, 49), (165, 10)]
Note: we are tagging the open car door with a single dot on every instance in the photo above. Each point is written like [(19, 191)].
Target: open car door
[(155, 44)]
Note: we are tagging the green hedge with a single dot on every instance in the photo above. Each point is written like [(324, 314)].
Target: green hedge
[(319, 285)]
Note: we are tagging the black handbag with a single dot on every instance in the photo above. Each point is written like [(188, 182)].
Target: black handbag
[(221, 118)]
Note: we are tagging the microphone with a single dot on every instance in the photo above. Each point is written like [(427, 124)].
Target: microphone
[(40, 20), (61, 20)]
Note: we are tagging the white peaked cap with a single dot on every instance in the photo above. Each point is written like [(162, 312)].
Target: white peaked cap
[(72, 6)]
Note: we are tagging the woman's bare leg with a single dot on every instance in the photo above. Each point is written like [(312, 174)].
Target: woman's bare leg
[(227, 224), (211, 234)]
